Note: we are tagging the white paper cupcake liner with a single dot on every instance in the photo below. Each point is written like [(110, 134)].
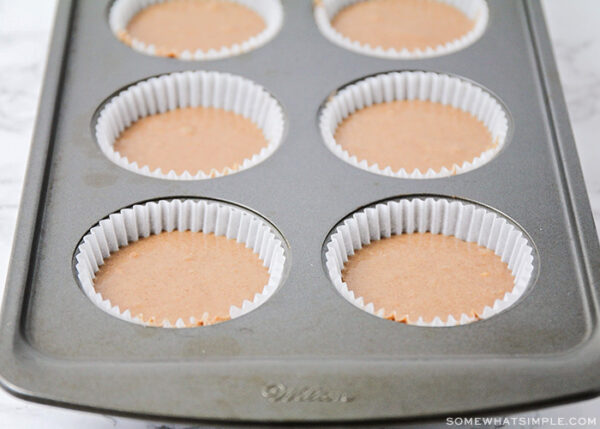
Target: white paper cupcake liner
[(131, 224), (326, 10), (418, 85), (190, 89), (465, 221), (122, 11)]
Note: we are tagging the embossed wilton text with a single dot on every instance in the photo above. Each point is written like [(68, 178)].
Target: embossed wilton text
[(280, 393)]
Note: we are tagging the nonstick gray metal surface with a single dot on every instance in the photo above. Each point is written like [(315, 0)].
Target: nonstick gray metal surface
[(57, 347)]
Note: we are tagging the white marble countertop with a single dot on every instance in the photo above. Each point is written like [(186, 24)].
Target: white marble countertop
[(24, 31)]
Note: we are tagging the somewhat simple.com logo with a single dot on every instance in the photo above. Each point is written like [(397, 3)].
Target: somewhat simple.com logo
[(536, 421)]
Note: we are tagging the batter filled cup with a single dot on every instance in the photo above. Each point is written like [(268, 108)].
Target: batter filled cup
[(429, 262), (402, 29), (195, 29), (414, 125), (180, 263), (190, 126)]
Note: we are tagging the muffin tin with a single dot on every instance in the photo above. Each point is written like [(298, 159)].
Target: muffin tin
[(306, 354)]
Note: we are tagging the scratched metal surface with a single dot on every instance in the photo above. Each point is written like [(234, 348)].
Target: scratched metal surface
[(306, 354)]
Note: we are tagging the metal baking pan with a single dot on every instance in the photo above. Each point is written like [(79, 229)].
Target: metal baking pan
[(56, 347)]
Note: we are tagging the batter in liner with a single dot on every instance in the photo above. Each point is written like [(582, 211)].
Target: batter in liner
[(178, 25), (402, 24), (427, 275), (191, 139), (413, 134), (181, 274)]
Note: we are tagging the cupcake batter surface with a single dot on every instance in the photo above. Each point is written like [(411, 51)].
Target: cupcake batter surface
[(427, 275), (413, 134), (178, 25), (402, 24), (179, 274), (191, 139)]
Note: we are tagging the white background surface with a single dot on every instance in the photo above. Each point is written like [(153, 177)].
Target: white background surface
[(24, 31)]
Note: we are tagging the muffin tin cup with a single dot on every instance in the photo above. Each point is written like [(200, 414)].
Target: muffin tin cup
[(130, 224), (466, 221), (415, 85), (326, 10), (122, 11), (190, 89)]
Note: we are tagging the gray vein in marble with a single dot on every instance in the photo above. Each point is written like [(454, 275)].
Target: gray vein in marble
[(581, 85)]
